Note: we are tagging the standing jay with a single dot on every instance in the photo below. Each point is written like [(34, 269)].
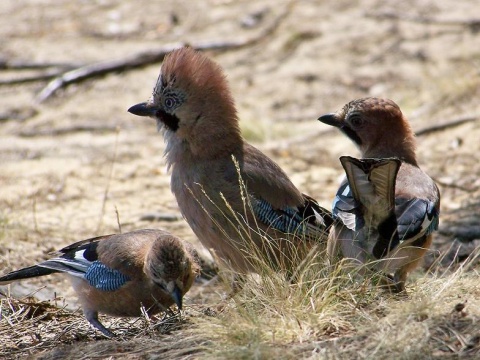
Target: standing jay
[(387, 208), (239, 203)]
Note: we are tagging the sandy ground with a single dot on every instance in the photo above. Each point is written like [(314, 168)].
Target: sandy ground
[(68, 165)]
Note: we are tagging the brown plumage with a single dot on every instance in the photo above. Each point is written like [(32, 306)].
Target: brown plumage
[(118, 274), (380, 131), (194, 109)]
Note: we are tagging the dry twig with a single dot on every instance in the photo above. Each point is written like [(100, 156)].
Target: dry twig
[(67, 130), (146, 58), (473, 24), (47, 75), (448, 124), (466, 232)]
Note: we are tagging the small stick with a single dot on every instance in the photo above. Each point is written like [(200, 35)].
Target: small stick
[(148, 57), (448, 124)]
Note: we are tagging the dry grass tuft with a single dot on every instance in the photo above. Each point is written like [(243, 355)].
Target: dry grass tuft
[(311, 310), (326, 313), (330, 315), (332, 312)]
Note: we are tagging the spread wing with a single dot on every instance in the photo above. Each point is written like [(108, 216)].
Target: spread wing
[(416, 217), (369, 193)]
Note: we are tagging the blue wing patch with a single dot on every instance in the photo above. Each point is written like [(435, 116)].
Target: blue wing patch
[(346, 209), (286, 220), (344, 201), (415, 216), (103, 278)]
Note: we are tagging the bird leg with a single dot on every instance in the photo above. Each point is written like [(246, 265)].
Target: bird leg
[(92, 317), (395, 283), (237, 283)]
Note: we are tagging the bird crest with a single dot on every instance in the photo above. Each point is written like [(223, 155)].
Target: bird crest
[(371, 106), (191, 71)]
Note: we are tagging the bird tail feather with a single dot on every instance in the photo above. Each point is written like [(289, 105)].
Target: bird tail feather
[(26, 273)]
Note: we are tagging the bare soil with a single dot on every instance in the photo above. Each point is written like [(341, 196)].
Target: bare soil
[(69, 165)]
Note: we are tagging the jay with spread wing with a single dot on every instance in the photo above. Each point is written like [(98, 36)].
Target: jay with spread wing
[(387, 208)]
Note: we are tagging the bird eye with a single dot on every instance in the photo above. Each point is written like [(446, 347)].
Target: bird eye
[(356, 120), (169, 102)]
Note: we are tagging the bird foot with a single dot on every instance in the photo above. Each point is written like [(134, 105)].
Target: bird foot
[(389, 283)]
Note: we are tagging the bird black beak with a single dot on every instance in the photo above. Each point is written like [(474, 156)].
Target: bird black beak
[(333, 120), (177, 296), (330, 119), (143, 109)]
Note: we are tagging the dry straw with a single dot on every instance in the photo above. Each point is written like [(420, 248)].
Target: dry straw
[(307, 310)]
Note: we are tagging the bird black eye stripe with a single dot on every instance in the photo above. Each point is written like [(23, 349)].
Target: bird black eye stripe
[(352, 135), (170, 120)]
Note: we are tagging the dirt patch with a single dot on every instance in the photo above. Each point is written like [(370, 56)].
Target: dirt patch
[(71, 163)]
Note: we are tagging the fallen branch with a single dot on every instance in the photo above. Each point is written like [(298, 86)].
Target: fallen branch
[(472, 24), (47, 75), (67, 130), (425, 131), (160, 216), (453, 185), (148, 57), (449, 124), (31, 65), (19, 114), (466, 232)]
